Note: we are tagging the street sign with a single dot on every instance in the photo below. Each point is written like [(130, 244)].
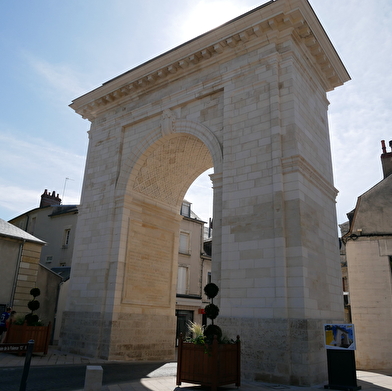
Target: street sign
[(13, 347)]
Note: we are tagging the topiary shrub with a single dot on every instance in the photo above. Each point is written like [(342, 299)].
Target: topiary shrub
[(33, 305), (212, 311), (211, 290), (212, 330)]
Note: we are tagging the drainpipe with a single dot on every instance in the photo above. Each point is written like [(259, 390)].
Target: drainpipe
[(202, 260), (16, 273)]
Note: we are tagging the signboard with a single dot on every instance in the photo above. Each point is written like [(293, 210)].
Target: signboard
[(13, 347), (339, 336)]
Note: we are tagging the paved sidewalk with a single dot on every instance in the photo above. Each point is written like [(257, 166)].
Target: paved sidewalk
[(54, 357), (369, 381)]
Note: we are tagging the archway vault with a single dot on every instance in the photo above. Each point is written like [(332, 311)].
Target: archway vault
[(169, 167), (160, 170), (169, 158)]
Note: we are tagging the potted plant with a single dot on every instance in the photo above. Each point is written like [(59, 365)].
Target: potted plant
[(30, 327), (208, 358)]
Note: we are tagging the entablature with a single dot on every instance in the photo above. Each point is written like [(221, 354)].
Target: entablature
[(262, 25)]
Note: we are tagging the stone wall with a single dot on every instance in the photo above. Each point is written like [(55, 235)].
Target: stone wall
[(9, 250), (27, 276), (283, 351), (369, 274)]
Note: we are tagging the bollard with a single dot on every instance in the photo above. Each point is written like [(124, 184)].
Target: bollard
[(93, 379), (26, 368)]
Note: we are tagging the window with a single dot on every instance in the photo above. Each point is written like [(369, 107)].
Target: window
[(182, 280), (32, 225), (186, 209), (67, 233), (346, 298), (49, 259), (184, 243)]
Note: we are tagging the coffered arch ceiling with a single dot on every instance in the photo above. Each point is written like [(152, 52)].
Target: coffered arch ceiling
[(168, 168)]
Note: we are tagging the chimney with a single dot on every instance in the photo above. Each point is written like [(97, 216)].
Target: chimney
[(48, 199)]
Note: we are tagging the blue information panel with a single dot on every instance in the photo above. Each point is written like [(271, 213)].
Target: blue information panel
[(339, 336)]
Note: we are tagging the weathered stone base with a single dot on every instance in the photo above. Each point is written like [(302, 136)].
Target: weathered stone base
[(85, 333), (143, 337), (132, 337), (286, 351)]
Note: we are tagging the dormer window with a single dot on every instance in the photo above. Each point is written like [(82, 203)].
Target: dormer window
[(186, 209)]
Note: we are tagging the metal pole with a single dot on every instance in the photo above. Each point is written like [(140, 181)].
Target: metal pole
[(30, 347)]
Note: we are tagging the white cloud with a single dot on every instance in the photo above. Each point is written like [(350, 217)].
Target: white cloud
[(359, 111), (59, 80), (205, 15), (200, 194), (31, 165), (16, 200)]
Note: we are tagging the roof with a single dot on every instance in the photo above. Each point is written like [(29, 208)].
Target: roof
[(9, 230), (63, 271), (372, 213), (63, 209), (55, 210)]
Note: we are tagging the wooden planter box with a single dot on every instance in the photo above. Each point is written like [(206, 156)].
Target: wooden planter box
[(217, 367), (23, 334)]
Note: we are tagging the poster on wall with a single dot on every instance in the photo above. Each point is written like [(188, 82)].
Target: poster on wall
[(339, 336)]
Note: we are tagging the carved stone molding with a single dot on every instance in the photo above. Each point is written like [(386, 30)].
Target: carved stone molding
[(287, 20), (167, 122)]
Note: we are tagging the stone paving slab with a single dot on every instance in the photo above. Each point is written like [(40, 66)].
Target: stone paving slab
[(54, 357), (367, 380)]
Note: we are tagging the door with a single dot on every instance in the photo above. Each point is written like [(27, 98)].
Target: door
[(183, 317)]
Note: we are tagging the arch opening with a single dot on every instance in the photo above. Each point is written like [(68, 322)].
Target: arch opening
[(155, 192), (168, 168)]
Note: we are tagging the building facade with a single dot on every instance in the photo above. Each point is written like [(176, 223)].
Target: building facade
[(194, 271), (344, 228), (19, 263), (368, 245), (55, 224)]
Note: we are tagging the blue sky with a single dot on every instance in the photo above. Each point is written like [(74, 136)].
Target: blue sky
[(54, 51)]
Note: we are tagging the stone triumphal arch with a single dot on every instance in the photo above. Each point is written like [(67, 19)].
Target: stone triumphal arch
[(249, 100)]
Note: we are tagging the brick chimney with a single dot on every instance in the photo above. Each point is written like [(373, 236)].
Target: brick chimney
[(48, 199)]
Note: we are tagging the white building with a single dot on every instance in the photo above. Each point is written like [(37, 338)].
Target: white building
[(194, 271), (55, 224), (19, 264), (369, 261)]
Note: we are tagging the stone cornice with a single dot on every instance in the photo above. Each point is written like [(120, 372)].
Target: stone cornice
[(259, 25), (297, 163)]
